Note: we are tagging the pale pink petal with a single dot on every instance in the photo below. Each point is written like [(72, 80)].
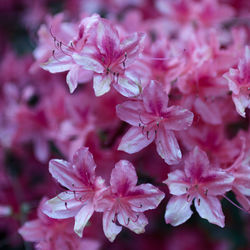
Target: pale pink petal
[(241, 102), (177, 182), (178, 210), (82, 217), (87, 59), (167, 146), (84, 166), (209, 112), (41, 148), (123, 177), (32, 231), (178, 118), (145, 197), (210, 209), (135, 140), (64, 205), (102, 84), (107, 38), (62, 171), (197, 164), (58, 63), (155, 99), (111, 230), (135, 222), (218, 182), (127, 87), (72, 78), (133, 113), (132, 45), (5, 210)]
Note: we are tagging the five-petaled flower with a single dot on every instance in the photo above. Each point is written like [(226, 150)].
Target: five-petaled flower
[(124, 202), (83, 187), (152, 119), (200, 182)]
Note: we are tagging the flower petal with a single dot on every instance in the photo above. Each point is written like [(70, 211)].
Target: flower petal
[(111, 230), (210, 209), (135, 222), (135, 140), (102, 84), (62, 171), (155, 99), (145, 197), (123, 177), (178, 210), (167, 146), (82, 217), (62, 206), (178, 118), (176, 182), (72, 78)]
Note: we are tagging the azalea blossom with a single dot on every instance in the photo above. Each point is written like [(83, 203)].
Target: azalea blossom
[(108, 56), (200, 182), (83, 187), (239, 83), (52, 234), (152, 119), (124, 202)]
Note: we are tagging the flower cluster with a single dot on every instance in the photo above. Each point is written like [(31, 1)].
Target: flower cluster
[(104, 80)]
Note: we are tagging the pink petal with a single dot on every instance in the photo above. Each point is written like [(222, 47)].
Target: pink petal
[(133, 46), (197, 164), (242, 199), (88, 60), (155, 99), (32, 231), (178, 118), (59, 63), (167, 146), (208, 111), (41, 148), (84, 166), (145, 197), (176, 183), (82, 217), (72, 78), (133, 113), (178, 210), (219, 182), (62, 171), (102, 84), (135, 222), (135, 140), (108, 39), (62, 206), (127, 87), (210, 209), (123, 177), (111, 230)]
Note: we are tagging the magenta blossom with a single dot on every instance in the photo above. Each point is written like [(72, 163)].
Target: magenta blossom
[(79, 178), (201, 183), (152, 119), (239, 83), (109, 56), (51, 234), (124, 202)]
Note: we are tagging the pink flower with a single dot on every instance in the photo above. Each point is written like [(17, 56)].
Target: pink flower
[(62, 59), (152, 119), (240, 169), (124, 202), (239, 83), (109, 56), (201, 183), (79, 178), (52, 234)]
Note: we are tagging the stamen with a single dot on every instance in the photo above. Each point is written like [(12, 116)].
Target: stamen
[(242, 209), (137, 217)]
